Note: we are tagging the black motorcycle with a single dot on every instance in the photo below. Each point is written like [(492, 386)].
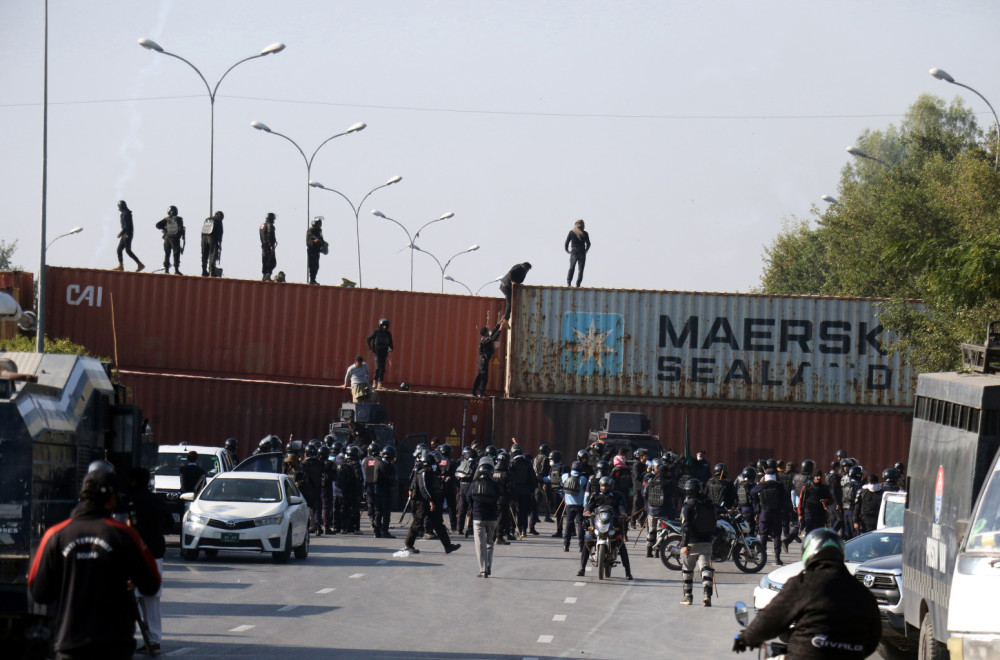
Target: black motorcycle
[(768, 649), (732, 539), (605, 540)]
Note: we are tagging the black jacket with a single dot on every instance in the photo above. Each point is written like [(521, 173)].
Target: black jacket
[(515, 274), (486, 347), (835, 616), (722, 492), (83, 566), (380, 340), (485, 495), (691, 521), (151, 518), (578, 244)]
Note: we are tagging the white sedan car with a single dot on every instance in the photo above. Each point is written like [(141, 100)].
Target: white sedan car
[(880, 543), (247, 511)]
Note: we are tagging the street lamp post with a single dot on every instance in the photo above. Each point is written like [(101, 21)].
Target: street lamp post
[(495, 279), (854, 151), (74, 230), (149, 44), (357, 211), (452, 279), (941, 74), (260, 126), (443, 268), (40, 327), (413, 238)]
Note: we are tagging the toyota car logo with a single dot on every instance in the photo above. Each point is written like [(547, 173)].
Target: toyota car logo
[(230, 524), (869, 580), (173, 496)]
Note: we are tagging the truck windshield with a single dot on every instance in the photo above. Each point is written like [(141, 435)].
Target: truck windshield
[(985, 534)]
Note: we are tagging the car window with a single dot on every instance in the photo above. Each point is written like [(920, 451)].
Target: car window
[(290, 489), (894, 513), (241, 490), (209, 463), (985, 532), (875, 544)]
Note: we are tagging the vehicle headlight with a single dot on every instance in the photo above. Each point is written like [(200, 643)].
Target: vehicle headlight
[(976, 647), (269, 520), (196, 519)]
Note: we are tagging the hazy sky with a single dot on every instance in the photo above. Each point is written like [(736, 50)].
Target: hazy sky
[(683, 133)]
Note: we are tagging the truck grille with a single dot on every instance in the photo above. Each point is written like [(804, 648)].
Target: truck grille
[(883, 586)]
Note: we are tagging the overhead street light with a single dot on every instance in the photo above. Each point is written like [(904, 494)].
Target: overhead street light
[(452, 279), (854, 151), (40, 326), (357, 211), (829, 199), (447, 263), (412, 237), (260, 126), (273, 49), (495, 279), (74, 230), (941, 74)]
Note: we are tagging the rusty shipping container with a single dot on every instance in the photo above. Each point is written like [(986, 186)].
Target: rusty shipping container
[(249, 329), (207, 410), (20, 285), (706, 347)]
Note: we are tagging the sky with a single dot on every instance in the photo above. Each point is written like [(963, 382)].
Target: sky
[(683, 133)]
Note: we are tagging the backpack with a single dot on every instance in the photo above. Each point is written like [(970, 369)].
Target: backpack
[(623, 480), (654, 492), (555, 475), (172, 228), (541, 466), (770, 497), (466, 468), (703, 524), (208, 226), (743, 494)]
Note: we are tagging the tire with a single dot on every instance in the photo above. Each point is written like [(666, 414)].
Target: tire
[(929, 648), (602, 556), (670, 552), (211, 554), (302, 551), (189, 555), (282, 556), (750, 563)]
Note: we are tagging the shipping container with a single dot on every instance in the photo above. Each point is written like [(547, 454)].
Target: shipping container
[(206, 410), (706, 347), (21, 285), (263, 330)]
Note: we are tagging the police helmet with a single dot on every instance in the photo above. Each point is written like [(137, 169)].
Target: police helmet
[(749, 473), (329, 440), (484, 470), (583, 456), (841, 454), (822, 543), (382, 322), (516, 450), (467, 452), (891, 475), (719, 470), (607, 483), (662, 472), (172, 210), (311, 450), (846, 463), (434, 457), (603, 468), (275, 443), (491, 450), (771, 464), (692, 486), (808, 466), (503, 462), (388, 453), (641, 452), (100, 465), (317, 221), (445, 450), (231, 445), (373, 448), (899, 466), (543, 449), (337, 448), (420, 449), (577, 466), (486, 460), (264, 446), (789, 466), (856, 473), (270, 216), (656, 463), (555, 456), (670, 456), (324, 452), (353, 451)]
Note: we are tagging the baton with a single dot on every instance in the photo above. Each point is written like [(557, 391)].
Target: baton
[(140, 618), (405, 507), (639, 535), (559, 508)]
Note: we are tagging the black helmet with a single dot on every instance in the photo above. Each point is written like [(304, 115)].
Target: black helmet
[(468, 452), (264, 446), (503, 461), (841, 454), (484, 470), (899, 466), (420, 449), (270, 216), (100, 465), (382, 322), (231, 445), (822, 543), (516, 450), (846, 463), (373, 448), (172, 210), (891, 475), (772, 464), (543, 449), (749, 473), (692, 486), (275, 443), (388, 453), (490, 450), (434, 457), (445, 450), (329, 440), (577, 466), (603, 468), (808, 466), (337, 448), (670, 456), (311, 450), (353, 451), (641, 451), (317, 221), (324, 452), (583, 456), (856, 473), (555, 456), (719, 470), (607, 482)]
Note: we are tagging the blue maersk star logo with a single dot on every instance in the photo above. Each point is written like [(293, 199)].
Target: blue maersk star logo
[(592, 344)]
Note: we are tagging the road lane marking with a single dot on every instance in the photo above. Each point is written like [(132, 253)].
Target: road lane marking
[(357, 575), (287, 608), (327, 590), (579, 584), (559, 617), (570, 600), (182, 651), (545, 639), (243, 628), (382, 561)]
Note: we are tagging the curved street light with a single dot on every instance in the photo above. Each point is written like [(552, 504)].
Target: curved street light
[(412, 237), (854, 151), (495, 279), (941, 74), (357, 211), (443, 268), (452, 279), (273, 49), (74, 230), (261, 126), (829, 199)]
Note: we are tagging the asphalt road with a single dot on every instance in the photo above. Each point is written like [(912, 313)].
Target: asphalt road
[(353, 599)]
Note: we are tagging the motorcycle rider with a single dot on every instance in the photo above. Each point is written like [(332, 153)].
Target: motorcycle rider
[(659, 495), (697, 533), (771, 500), (608, 496), (834, 615)]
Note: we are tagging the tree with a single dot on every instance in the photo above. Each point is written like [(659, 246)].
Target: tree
[(7, 255)]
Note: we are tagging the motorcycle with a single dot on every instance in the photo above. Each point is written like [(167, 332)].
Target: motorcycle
[(769, 649), (732, 539), (605, 539)]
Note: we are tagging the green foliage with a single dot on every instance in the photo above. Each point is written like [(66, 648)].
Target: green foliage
[(26, 344), (7, 255), (925, 227)]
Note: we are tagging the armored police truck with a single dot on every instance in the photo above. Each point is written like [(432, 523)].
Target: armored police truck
[(630, 430), (51, 427), (951, 547)]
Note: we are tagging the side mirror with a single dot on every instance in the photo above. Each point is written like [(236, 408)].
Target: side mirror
[(740, 611), (187, 497), (295, 499)]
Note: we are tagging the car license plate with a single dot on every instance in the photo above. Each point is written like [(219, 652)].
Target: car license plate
[(229, 537), (177, 517)]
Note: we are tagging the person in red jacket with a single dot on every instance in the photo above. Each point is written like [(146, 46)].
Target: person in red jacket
[(84, 567)]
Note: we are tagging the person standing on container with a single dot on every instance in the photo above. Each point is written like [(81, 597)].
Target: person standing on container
[(174, 239), (268, 242), (380, 342), (125, 238), (211, 244), (577, 245), (315, 245), (357, 378), (515, 275), (486, 339)]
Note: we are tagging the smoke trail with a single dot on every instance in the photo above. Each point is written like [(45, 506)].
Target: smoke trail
[(130, 148)]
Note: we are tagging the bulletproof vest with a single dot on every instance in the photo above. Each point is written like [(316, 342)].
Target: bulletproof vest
[(770, 496), (812, 499), (347, 478), (555, 475), (172, 227), (313, 471), (466, 469), (265, 236), (574, 484), (703, 523), (208, 227), (833, 483), (870, 503), (799, 480), (485, 489), (715, 490), (520, 474), (743, 494), (382, 338), (654, 492), (384, 473), (368, 465), (623, 480), (541, 466), (787, 479), (849, 490)]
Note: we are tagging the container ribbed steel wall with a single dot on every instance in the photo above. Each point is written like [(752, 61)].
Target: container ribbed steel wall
[(20, 285), (627, 344), (248, 329)]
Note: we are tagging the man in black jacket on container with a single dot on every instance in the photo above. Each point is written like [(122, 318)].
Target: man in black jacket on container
[(514, 276)]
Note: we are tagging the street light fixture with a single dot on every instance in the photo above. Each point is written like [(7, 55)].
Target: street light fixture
[(40, 327), (452, 279), (412, 237), (357, 211), (74, 230), (495, 279), (447, 263), (854, 151), (273, 49), (260, 126), (941, 74), (829, 199)]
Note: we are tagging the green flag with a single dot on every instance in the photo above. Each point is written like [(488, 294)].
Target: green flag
[(687, 442)]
